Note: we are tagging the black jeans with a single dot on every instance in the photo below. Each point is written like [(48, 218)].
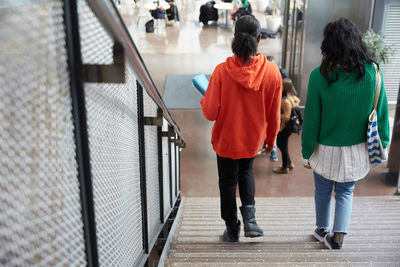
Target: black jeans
[(282, 143), (231, 172)]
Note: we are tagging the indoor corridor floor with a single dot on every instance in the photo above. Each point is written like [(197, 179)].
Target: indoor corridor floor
[(187, 47)]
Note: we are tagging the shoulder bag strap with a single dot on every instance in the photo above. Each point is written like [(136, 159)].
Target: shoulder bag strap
[(378, 85)]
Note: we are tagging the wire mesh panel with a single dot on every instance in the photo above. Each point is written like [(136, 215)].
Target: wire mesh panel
[(173, 171), (152, 178), (114, 151), (40, 209), (95, 43), (166, 167)]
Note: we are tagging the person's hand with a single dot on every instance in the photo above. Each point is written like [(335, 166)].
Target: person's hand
[(268, 149), (306, 164)]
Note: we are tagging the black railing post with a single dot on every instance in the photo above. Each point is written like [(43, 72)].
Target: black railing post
[(176, 166), (81, 134), (170, 129), (160, 166), (142, 164), (179, 154)]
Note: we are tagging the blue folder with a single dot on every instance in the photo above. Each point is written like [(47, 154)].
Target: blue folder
[(200, 82)]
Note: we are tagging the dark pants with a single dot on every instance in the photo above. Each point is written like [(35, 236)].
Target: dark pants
[(282, 143), (231, 172)]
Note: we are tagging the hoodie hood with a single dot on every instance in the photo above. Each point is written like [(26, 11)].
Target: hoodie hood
[(249, 76)]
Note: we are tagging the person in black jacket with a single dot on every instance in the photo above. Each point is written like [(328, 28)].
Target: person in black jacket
[(208, 12), (244, 10), (172, 11)]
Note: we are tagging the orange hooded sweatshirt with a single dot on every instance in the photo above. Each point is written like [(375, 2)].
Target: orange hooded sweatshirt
[(245, 102)]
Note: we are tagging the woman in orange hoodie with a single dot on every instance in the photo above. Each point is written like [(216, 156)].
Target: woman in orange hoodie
[(243, 98)]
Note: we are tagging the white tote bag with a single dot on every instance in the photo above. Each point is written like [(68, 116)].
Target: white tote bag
[(376, 152)]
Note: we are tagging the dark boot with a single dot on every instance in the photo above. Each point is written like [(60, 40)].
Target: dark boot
[(251, 229), (232, 232)]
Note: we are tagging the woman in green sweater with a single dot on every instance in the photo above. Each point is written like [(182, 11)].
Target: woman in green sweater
[(339, 100)]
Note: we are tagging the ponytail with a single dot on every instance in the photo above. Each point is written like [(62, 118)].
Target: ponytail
[(244, 44)]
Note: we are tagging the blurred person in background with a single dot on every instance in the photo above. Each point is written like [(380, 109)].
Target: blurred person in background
[(289, 101)]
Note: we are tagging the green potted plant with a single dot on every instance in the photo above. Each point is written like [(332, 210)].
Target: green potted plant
[(380, 50)]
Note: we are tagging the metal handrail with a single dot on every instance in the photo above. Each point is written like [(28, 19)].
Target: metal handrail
[(113, 24)]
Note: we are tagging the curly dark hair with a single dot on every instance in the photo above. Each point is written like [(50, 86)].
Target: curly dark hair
[(343, 48)]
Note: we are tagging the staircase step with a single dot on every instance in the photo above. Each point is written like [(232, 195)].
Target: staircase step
[(373, 239)]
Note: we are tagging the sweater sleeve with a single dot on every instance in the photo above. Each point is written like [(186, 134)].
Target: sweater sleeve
[(273, 117), (211, 101), (383, 116), (312, 119)]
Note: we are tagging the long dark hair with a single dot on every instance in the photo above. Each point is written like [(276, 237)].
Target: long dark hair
[(244, 44), (343, 48), (287, 87)]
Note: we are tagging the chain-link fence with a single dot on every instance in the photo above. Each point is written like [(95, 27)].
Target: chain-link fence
[(89, 166)]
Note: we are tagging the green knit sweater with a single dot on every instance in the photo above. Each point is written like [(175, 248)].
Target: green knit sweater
[(337, 115)]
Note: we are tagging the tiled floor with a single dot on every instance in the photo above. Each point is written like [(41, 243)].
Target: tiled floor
[(187, 48)]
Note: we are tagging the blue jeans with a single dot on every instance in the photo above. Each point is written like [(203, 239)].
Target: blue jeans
[(343, 206), (274, 149), (273, 154)]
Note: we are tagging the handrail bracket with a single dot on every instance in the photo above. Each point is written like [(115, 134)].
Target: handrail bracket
[(114, 73), (153, 121)]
